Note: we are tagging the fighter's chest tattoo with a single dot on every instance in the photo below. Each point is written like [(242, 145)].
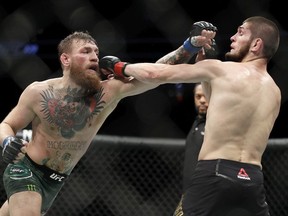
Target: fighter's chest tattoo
[(68, 110)]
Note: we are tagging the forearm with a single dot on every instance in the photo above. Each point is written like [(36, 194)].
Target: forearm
[(5, 131), (177, 56), (201, 35), (147, 72)]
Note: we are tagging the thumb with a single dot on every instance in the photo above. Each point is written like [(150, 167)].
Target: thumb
[(200, 56)]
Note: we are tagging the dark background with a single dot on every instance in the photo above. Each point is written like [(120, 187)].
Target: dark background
[(135, 31)]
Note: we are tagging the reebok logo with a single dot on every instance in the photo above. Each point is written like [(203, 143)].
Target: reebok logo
[(243, 175), (57, 177)]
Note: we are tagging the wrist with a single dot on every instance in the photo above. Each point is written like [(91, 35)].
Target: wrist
[(190, 48), (119, 68)]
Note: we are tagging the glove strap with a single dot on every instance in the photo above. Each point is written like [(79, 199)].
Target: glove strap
[(6, 141), (190, 48), (119, 68)]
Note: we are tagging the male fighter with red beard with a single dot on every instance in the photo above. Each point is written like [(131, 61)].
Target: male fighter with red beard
[(66, 114)]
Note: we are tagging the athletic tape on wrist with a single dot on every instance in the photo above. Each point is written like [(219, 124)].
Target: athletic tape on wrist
[(190, 48), (119, 68)]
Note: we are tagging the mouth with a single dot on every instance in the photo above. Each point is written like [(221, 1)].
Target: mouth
[(202, 107), (231, 47), (94, 68)]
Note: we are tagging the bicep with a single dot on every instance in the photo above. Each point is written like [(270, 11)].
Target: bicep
[(202, 71), (135, 87), (130, 87), (185, 73), (22, 114)]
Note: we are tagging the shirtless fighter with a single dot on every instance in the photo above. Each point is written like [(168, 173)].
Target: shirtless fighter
[(228, 178)]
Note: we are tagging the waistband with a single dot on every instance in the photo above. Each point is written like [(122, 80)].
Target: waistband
[(48, 173), (214, 164)]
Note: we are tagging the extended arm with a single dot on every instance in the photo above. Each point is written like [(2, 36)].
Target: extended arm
[(201, 37), (202, 71)]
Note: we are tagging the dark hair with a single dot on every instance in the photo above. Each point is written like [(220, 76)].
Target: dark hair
[(65, 44), (268, 31), (195, 86)]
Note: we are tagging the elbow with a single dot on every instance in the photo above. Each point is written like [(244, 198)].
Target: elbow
[(152, 77)]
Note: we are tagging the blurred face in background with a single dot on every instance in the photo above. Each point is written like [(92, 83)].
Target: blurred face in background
[(201, 104)]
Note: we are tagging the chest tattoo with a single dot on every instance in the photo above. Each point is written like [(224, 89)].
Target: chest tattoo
[(69, 110)]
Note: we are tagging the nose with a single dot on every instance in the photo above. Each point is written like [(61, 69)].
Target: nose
[(94, 57), (232, 38), (203, 99)]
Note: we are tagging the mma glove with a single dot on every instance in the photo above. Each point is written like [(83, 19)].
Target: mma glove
[(190, 44), (114, 65), (11, 148), (212, 53)]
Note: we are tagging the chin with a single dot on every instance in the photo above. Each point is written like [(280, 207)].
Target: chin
[(229, 56)]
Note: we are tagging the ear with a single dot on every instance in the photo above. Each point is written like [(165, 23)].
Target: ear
[(256, 45), (65, 60)]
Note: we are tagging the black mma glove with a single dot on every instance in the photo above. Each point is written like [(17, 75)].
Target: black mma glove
[(190, 44), (213, 52), (11, 147), (114, 65), (197, 28)]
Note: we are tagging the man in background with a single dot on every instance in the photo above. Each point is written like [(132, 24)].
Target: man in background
[(194, 140)]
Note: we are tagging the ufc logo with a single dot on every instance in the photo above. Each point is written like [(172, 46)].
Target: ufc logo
[(56, 177)]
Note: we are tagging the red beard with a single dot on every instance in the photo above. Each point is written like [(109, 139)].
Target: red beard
[(88, 81)]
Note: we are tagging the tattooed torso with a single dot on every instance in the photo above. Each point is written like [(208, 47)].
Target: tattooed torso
[(67, 123), (69, 112)]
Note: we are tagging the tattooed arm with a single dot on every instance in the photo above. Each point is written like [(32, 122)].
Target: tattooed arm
[(177, 56), (201, 37)]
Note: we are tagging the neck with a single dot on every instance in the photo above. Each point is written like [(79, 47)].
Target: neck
[(254, 59)]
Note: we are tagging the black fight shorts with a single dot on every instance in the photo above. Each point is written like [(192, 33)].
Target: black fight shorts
[(225, 188)]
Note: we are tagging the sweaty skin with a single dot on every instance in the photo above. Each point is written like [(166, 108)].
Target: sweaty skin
[(244, 101), (66, 113), (63, 121)]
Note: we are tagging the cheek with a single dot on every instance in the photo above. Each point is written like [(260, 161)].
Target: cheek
[(78, 63), (78, 59)]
